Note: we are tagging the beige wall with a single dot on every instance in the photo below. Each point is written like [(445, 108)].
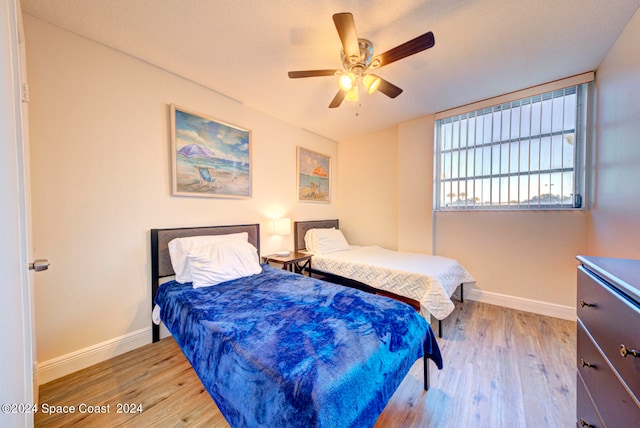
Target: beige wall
[(614, 229), (415, 192), (385, 195), (99, 123), (368, 186), (522, 257)]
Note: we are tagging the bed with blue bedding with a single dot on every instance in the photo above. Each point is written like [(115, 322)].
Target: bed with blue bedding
[(279, 349)]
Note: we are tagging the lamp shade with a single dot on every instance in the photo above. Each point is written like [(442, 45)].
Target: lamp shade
[(352, 94), (345, 81), (371, 82), (282, 226)]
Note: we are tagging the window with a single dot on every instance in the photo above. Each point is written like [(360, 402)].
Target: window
[(522, 154)]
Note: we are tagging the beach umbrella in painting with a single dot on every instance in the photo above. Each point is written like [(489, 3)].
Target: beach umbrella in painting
[(191, 150), (319, 171)]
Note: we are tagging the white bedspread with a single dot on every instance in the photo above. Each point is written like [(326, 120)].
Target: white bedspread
[(431, 280)]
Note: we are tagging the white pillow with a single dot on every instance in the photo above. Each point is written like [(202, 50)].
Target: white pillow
[(221, 262), (180, 247), (310, 241), (324, 241)]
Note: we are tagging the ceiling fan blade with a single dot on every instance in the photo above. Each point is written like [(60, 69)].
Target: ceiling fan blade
[(404, 50), (346, 27), (389, 89), (311, 73), (337, 100)]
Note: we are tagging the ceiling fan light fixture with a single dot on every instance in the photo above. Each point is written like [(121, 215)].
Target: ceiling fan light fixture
[(352, 94), (371, 83), (358, 59), (346, 81)]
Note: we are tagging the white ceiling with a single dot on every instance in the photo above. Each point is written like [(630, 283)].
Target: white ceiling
[(244, 49)]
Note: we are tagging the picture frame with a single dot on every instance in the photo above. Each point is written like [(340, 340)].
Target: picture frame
[(209, 158), (313, 176)]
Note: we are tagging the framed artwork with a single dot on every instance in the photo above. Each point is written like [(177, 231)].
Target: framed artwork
[(314, 176), (209, 158)]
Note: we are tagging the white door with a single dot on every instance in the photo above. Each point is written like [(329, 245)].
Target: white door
[(17, 352)]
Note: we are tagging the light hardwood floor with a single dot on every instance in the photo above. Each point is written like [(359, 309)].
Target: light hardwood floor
[(503, 368)]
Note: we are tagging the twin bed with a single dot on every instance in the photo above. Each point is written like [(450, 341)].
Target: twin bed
[(425, 282), (274, 348)]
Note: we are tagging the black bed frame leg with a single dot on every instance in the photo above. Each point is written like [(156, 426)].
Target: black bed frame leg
[(440, 329), (425, 363), (155, 332)]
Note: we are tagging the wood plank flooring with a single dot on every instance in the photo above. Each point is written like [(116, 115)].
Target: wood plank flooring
[(503, 368)]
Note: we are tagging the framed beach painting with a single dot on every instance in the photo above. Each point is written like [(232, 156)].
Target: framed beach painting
[(209, 158), (314, 176)]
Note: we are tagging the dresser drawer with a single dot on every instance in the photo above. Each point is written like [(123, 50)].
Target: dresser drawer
[(587, 415), (614, 403), (613, 321)]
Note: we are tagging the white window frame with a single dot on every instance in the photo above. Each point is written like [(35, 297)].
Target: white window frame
[(456, 148)]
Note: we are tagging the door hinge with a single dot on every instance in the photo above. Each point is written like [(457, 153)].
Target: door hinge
[(25, 93)]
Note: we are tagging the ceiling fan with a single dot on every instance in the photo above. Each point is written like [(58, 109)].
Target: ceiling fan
[(358, 62)]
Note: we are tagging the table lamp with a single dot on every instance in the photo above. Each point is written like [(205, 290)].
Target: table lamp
[(282, 228)]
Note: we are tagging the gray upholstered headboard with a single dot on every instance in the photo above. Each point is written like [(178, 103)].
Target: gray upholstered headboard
[(160, 239), (161, 261), (300, 229)]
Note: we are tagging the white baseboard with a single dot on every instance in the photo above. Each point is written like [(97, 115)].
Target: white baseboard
[(69, 363), (519, 303)]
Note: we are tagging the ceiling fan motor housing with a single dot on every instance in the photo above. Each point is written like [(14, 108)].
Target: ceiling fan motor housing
[(356, 65)]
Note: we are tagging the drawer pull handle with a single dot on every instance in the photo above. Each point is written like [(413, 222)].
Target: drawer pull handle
[(624, 351), (584, 423), (583, 304), (584, 363)]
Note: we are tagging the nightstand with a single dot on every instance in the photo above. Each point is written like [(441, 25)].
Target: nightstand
[(294, 262)]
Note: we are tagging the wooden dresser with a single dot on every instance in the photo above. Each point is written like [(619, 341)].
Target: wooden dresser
[(608, 336)]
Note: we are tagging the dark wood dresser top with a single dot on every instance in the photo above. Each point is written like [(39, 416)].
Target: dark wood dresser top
[(624, 274)]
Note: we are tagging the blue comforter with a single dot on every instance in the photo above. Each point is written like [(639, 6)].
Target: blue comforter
[(278, 349)]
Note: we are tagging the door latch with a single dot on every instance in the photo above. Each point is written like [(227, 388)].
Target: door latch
[(39, 265)]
